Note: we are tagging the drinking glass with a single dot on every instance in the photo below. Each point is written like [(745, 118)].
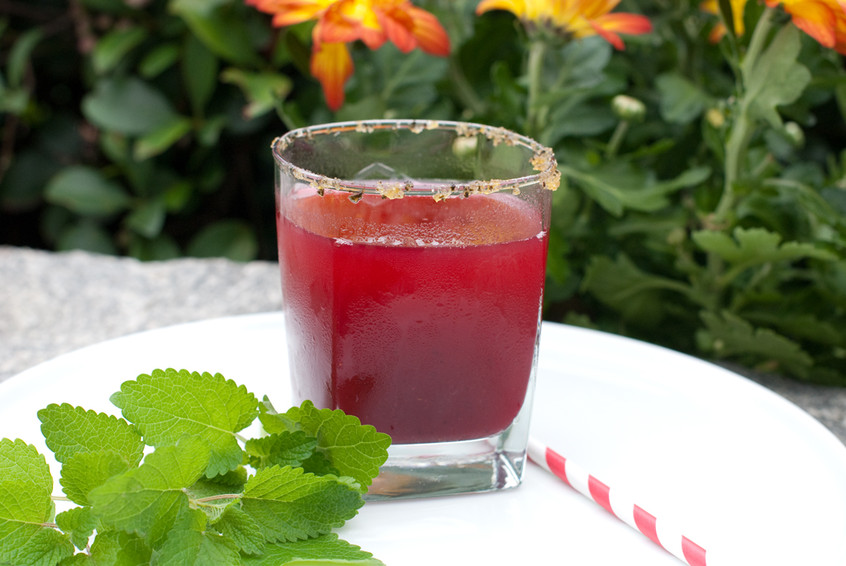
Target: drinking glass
[(412, 258)]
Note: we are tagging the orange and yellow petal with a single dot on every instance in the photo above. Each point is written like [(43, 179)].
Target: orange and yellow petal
[(516, 7), (817, 18), (430, 34), (408, 26), (332, 65), (398, 26), (609, 26), (738, 7), (289, 12)]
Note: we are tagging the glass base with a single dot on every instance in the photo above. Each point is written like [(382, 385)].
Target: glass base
[(449, 468)]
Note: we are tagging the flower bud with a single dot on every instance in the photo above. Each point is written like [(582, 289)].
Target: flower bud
[(716, 118), (628, 108), (793, 132)]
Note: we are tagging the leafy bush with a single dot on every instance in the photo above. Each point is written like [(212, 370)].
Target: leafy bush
[(706, 181)]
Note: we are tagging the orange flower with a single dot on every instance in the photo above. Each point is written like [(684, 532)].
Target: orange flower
[(340, 22), (578, 18), (737, 9), (824, 20)]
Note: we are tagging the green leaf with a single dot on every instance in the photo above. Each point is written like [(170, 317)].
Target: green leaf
[(147, 219), (681, 100), (729, 336), (242, 529), (618, 187), (79, 523), (264, 91), (117, 548), (128, 106), (70, 430), (288, 504), (199, 73), (356, 450), (282, 449), (158, 60), (113, 47), (85, 471), (148, 499), (162, 138), (26, 506), (21, 462), (221, 25), (323, 550), (19, 55), (777, 77), (168, 405), (85, 235), (754, 246), (25, 538), (623, 286), (213, 499), (85, 190), (232, 239), (193, 548)]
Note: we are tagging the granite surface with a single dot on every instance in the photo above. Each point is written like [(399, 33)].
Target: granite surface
[(53, 303)]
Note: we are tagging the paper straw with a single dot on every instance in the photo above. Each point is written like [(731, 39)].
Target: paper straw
[(658, 531)]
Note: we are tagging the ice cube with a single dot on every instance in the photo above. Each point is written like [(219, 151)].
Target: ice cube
[(379, 172)]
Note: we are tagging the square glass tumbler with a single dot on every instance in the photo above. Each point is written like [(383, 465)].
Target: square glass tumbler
[(412, 259)]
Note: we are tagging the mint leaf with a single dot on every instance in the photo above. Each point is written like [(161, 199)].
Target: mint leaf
[(274, 422), (280, 449), (167, 405), (356, 450), (213, 498), (242, 529), (25, 536), (324, 550), (21, 462), (79, 523), (188, 548), (117, 548), (148, 499), (69, 430), (288, 504), (86, 470)]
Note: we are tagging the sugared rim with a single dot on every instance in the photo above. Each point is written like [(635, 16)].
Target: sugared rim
[(543, 160)]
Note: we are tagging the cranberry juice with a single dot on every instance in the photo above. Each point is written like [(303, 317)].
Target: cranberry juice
[(419, 317)]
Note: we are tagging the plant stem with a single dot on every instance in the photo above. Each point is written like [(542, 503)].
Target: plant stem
[(465, 91), (743, 127), (218, 497), (616, 139), (537, 50)]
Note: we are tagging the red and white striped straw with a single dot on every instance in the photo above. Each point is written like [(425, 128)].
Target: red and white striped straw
[(660, 532)]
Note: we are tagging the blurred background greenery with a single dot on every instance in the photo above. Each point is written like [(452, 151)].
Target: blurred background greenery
[(142, 128)]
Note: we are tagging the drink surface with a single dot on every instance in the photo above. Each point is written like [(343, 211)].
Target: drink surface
[(419, 317)]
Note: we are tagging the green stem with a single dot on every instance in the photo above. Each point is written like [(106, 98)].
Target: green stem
[(744, 126), (465, 91), (399, 76), (537, 51), (616, 139), (220, 497)]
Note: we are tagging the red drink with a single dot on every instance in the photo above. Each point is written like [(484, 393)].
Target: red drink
[(419, 317)]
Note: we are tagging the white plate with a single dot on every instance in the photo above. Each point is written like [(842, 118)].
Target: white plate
[(746, 474)]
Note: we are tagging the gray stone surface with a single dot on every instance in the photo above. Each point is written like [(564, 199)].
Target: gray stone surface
[(53, 303)]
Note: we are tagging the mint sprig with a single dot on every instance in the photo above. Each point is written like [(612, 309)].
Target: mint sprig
[(202, 494)]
